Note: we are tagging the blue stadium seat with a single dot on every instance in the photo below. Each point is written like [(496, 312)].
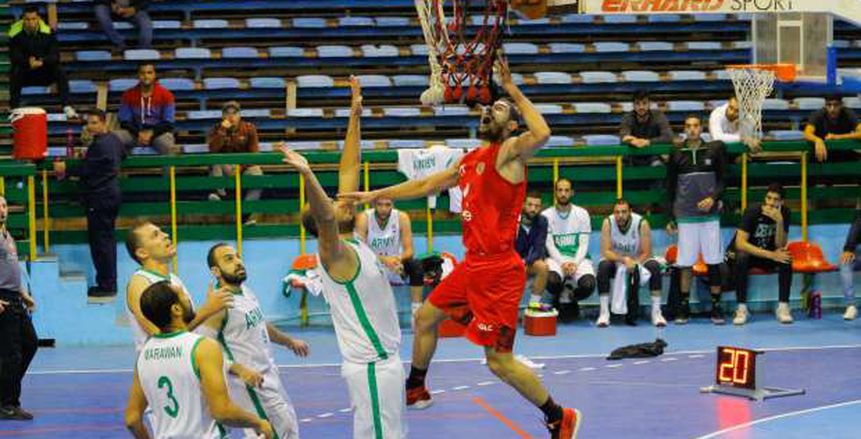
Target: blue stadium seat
[(365, 144), (744, 17), (722, 75), (742, 44), (775, 104), (305, 81), (567, 48), (304, 145), (203, 114), (328, 51), (559, 142), (286, 52), (177, 84), (345, 112), (552, 77), (628, 106), (72, 25), (144, 150), (309, 22), (451, 110), (611, 46), (210, 24), (123, 25), (704, 45), (82, 86), (664, 18), (220, 83), (517, 78), (408, 143), (592, 107), (392, 21), (376, 51), (195, 148), (266, 146), (685, 106), (841, 44), (620, 19), (402, 111), (256, 112), (305, 112), (687, 75), (375, 81), (590, 77), (601, 140), (651, 46), (166, 24), (854, 102), (811, 104), (267, 82), (520, 48), (709, 17), (257, 23), (463, 143), (640, 76), (716, 103), (141, 54), (239, 52), (93, 55), (410, 80), (578, 18), (192, 53), (549, 108), (786, 135), (355, 21), (122, 84), (419, 49), (707, 137), (476, 20), (536, 21), (56, 117), (35, 90)]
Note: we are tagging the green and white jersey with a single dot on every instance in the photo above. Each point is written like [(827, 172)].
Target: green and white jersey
[(564, 231), (384, 240), (363, 309), (243, 333), (140, 336), (170, 380), (628, 243)]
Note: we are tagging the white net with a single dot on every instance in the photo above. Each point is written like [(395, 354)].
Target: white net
[(429, 13), (752, 86)]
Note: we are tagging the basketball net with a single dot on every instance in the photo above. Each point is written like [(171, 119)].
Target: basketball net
[(459, 61), (752, 86)]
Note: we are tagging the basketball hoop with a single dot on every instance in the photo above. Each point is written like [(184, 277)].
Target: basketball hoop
[(753, 83), (459, 61)]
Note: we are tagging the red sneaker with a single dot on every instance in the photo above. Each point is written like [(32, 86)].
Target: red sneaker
[(418, 398), (567, 427)]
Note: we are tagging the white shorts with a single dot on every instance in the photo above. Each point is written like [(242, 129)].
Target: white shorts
[(270, 401), (377, 398), (583, 269), (696, 238)]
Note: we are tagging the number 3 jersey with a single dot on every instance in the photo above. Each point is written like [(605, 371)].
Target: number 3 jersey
[(170, 380)]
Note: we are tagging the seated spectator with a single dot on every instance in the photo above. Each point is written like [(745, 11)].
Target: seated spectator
[(130, 10), (848, 264), (643, 127), (35, 57), (147, 113), (626, 241), (834, 122), (530, 244), (724, 125), (233, 135), (760, 242)]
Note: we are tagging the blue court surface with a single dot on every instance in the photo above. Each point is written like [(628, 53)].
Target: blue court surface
[(81, 392)]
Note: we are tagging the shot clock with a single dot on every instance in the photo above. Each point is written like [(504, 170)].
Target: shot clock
[(739, 372)]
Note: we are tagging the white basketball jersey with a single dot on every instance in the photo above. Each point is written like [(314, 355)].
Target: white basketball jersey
[(566, 228), (243, 333), (140, 336), (171, 383), (628, 243), (385, 240), (363, 310)]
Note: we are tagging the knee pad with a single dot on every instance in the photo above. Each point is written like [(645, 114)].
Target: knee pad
[(585, 286), (714, 275), (554, 283)]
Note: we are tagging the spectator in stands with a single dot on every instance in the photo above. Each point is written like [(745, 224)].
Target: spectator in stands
[(834, 122), (35, 57), (531, 246), (147, 113), (643, 127), (98, 174), (760, 242), (234, 135), (848, 264), (18, 341), (626, 240), (695, 182), (130, 10), (724, 125)]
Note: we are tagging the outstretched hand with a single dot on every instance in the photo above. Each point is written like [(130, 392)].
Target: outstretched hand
[(356, 92), (296, 160), (358, 197), (504, 73)]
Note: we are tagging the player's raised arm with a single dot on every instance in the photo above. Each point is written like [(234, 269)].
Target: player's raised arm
[(410, 189), (537, 131), (349, 168)]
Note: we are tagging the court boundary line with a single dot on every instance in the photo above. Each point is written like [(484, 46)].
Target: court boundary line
[(479, 401), (460, 360), (780, 416)]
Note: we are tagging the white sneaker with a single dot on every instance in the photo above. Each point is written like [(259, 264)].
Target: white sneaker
[(70, 112), (741, 315), (658, 319), (603, 320), (529, 363), (851, 313), (783, 314), (214, 197)]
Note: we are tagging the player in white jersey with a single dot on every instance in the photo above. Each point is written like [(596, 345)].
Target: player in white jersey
[(389, 233), (363, 311), (572, 276), (181, 376), (626, 240), (245, 335)]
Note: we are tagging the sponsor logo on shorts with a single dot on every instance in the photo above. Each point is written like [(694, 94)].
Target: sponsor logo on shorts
[(485, 327), (479, 168)]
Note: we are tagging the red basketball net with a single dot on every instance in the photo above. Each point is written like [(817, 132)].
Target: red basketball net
[(461, 59)]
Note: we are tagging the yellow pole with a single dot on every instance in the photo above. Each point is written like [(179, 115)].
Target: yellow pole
[(430, 229), (619, 177), (3, 186), (237, 176), (31, 214), (46, 229), (367, 178), (301, 206), (173, 233), (743, 182), (555, 171), (804, 196)]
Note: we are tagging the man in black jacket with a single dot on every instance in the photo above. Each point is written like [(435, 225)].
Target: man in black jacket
[(35, 57), (101, 188), (531, 237), (848, 264), (131, 10)]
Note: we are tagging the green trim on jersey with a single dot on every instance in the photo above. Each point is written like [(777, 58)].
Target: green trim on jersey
[(259, 408), (358, 265), (221, 337), (194, 364), (169, 334), (222, 432), (158, 275), (697, 219), (375, 400), (363, 319)]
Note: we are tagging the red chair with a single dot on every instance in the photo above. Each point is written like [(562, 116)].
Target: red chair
[(672, 255), (305, 262), (807, 257)]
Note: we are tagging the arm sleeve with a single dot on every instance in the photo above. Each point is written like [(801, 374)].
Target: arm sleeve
[(537, 248), (550, 246), (583, 248), (216, 138), (854, 234), (787, 218), (126, 116), (716, 126), (95, 162), (748, 220), (663, 124), (672, 183), (720, 170), (17, 54), (852, 117), (168, 116), (253, 141), (52, 58), (625, 126)]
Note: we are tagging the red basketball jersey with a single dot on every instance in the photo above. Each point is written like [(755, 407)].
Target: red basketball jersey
[(491, 204)]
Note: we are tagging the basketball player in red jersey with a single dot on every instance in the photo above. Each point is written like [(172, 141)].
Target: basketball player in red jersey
[(484, 291)]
